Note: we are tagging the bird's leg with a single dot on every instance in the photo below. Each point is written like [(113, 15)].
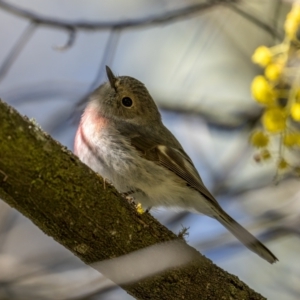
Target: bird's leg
[(138, 206), (128, 196)]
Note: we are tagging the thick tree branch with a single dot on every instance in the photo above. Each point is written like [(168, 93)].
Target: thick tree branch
[(65, 199)]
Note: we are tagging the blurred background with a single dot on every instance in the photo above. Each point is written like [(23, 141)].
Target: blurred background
[(195, 59)]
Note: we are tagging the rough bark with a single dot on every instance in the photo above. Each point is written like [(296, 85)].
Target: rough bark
[(66, 200)]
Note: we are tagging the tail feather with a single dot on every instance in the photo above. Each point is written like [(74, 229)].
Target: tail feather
[(245, 237)]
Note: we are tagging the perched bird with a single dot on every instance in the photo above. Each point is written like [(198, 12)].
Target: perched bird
[(121, 136)]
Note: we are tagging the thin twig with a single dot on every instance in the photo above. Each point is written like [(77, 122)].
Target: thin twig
[(17, 48), (55, 22), (106, 59), (138, 22), (273, 31), (109, 53), (70, 42)]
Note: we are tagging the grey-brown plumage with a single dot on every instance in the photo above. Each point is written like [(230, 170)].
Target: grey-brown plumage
[(121, 136)]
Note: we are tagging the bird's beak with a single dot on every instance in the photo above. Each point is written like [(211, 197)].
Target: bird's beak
[(111, 77)]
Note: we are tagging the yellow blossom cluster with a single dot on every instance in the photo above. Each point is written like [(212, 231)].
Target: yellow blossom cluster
[(292, 22), (279, 92)]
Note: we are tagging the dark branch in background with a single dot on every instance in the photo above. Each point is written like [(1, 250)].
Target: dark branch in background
[(70, 42), (17, 48), (139, 22), (109, 52), (279, 5), (72, 26), (115, 27), (63, 197), (266, 27), (102, 25)]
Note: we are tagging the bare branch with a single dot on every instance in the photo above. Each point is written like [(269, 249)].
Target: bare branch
[(139, 22), (55, 22), (70, 42), (17, 48), (109, 52), (270, 29)]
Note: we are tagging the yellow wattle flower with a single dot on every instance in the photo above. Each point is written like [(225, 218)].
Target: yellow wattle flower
[(274, 120), (290, 28), (262, 56), (273, 71), (265, 154), (283, 164), (259, 139), (292, 21), (291, 139), (295, 111), (262, 91)]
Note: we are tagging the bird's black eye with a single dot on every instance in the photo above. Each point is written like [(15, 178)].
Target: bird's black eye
[(126, 101)]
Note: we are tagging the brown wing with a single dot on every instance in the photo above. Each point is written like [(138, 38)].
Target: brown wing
[(176, 160)]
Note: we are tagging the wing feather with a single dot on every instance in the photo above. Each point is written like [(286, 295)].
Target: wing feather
[(176, 160)]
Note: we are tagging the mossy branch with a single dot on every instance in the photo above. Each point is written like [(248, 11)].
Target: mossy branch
[(65, 199)]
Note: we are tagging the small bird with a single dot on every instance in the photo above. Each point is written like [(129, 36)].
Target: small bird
[(121, 136)]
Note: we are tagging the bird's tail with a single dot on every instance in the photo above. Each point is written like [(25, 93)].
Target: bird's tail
[(244, 236)]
